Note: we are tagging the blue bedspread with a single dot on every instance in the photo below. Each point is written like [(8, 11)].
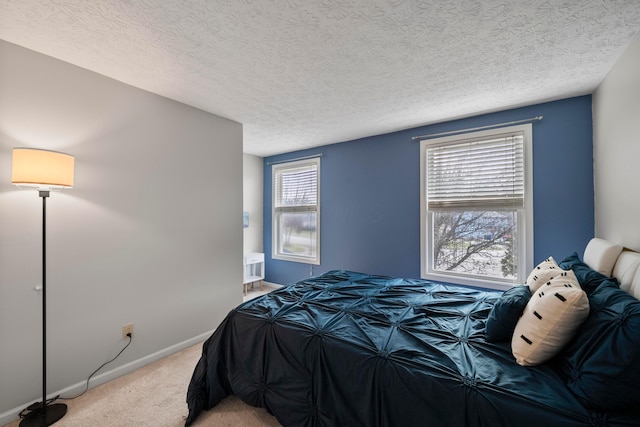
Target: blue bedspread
[(350, 349)]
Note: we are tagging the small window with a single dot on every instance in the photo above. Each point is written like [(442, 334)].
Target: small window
[(476, 207), (296, 211)]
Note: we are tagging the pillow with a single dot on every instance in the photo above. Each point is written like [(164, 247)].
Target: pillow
[(634, 288), (588, 278), (505, 313), (601, 366), (549, 321), (542, 273), (626, 271), (601, 255)]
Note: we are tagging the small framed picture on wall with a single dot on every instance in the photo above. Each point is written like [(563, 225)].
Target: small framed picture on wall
[(245, 219)]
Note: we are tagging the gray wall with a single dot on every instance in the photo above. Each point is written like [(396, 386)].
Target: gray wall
[(151, 234), (616, 123), (252, 202)]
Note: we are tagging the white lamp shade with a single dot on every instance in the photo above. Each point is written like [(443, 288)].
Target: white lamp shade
[(42, 169)]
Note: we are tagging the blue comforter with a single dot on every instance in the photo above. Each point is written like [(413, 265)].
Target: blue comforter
[(350, 349)]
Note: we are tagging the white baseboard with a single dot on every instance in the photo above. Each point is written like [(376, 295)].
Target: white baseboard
[(12, 414)]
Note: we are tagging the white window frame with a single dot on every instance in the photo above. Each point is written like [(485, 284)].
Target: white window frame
[(524, 223), (276, 211)]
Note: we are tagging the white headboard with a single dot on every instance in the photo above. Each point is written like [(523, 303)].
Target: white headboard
[(615, 261)]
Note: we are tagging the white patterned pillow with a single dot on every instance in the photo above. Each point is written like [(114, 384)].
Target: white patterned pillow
[(543, 273), (550, 320)]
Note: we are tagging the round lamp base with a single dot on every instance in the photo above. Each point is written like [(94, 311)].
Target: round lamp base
[(40, 418)]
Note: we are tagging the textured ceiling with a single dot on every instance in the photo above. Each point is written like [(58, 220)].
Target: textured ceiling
[(302, 73)]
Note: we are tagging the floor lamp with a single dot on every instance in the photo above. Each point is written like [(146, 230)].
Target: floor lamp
[(44, 171)]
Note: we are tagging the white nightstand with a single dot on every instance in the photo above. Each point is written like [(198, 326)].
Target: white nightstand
[(253, 269)]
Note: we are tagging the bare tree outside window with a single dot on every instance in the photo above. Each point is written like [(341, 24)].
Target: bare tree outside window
[(293, 223), (298, 233), (475, 242)]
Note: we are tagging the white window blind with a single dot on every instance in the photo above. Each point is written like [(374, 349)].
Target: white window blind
[(483, 172), (296, 187)]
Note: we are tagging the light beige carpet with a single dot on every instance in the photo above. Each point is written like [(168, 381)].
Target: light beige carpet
[(155, 396)]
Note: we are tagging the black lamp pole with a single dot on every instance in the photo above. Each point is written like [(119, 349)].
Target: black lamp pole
[(45, 415)]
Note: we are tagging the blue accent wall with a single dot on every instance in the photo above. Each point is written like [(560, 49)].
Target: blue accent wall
[(370, 193)]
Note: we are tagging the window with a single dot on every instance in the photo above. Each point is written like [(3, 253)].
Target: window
[(296, 211), (476, 207)]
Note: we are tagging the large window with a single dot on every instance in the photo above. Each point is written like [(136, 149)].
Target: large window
[(476, 207), (296, 211)]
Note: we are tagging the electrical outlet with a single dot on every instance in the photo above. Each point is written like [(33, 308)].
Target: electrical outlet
[(126, 330)]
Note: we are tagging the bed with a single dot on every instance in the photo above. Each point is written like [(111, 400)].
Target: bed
[(352, 349)]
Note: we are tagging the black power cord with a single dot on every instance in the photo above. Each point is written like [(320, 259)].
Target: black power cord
[(96, 371), (38, 405)]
